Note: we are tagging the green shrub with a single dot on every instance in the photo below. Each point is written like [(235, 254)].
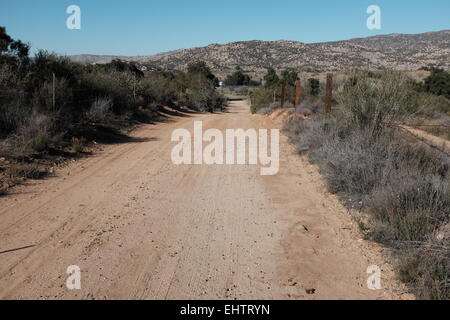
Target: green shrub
[(271, 78), (158, 88), (202, 69), (314, 87), (237, 78), (374, 103), (438, 83), (118, 86), (261, 98), (289, 76), (201, 94)]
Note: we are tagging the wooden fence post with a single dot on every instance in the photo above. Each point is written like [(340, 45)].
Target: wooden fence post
[(283, 92), (298, 93), (329, 93)]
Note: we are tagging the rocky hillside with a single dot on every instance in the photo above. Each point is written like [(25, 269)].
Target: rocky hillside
[(394, 51)]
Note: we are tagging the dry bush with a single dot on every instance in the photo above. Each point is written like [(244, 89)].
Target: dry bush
[(100, 111), (404, 188), (26, 171), (242, 91), (309, 106), (78, 144), (431, 105), (412, 198), (426, 269), (274, 106), (34, 134)]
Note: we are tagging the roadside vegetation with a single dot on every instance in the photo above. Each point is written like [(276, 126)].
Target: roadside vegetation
[(51, 108), (265, 100), (434, 116), (240, 78), (398, 187)]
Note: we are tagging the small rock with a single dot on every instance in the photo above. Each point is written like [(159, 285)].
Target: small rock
[(310, 291)]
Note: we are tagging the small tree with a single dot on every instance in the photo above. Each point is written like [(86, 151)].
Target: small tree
[(271, 78), (200, 67), (438, 83), (5, 40), (290, 76), (11, 47), (314, 86), (238, 78)]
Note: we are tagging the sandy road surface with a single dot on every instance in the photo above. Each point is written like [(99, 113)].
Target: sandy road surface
[(140, 227)]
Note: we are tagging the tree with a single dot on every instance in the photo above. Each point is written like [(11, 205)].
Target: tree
[(200, 67), (238, 78), (271, 78), (314, 86), (123, 66), (438, 83), (20, 49), (290, 76), (5, 40), (11, 46)]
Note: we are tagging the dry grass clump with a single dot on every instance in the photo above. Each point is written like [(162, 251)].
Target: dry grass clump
[(26, 171), (274, 106), (100, 110)]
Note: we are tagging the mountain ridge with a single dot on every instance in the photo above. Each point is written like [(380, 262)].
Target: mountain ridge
[(390, 51)]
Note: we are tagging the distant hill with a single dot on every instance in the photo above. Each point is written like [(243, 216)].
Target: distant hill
[(394, 51)]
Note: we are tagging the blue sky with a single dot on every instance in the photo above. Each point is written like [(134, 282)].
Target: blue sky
[(143, 27)]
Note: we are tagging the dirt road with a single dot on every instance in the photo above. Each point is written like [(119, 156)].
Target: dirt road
[(140, 227)]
